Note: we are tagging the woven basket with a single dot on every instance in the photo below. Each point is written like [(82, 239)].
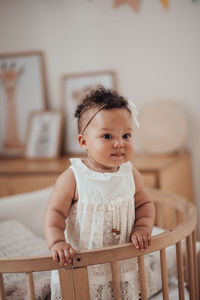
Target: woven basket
[(163, 127)]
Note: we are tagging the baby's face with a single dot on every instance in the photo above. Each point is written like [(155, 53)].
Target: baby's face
[(108, 139)]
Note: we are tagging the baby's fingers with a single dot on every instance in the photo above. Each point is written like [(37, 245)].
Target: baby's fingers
[(135, 241), (72, 252), (140, 242), (69, 254), (62, 256), (146, 240), (55, 256), (149, 239)]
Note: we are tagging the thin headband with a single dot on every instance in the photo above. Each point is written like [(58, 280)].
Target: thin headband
[(102, 107)]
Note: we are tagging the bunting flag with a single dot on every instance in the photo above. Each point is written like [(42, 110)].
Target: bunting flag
[(135, 4), (165, 3)]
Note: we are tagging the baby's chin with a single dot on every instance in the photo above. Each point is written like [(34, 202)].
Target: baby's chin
[(117, 161), (118, 158)]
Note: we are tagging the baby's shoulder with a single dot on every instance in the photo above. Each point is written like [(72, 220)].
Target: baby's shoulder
[(137, 176), (67, 177)]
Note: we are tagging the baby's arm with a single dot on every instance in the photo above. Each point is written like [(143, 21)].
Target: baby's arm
[(144, 214), (55, 215)]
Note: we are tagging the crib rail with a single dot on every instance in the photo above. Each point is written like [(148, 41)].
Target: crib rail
[(74, 277)]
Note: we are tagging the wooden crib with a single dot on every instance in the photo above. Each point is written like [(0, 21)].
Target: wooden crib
[(173, 213)]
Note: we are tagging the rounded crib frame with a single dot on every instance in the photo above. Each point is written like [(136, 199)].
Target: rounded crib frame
[(179, 220)]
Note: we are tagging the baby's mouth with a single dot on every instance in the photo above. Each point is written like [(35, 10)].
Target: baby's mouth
[(118, 154)]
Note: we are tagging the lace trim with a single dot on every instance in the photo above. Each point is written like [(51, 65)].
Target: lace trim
[(89, 226), (78, 165)]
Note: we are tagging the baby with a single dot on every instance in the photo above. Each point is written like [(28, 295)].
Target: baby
[(100, 200)]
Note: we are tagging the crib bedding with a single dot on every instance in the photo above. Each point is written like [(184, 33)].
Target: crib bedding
[(42, 290), (173, 293), (18, 240)]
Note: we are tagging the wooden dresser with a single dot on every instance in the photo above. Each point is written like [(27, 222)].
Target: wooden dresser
[(169, 172)]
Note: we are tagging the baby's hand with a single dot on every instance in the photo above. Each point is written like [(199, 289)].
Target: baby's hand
[(141, 237), (62, 252)]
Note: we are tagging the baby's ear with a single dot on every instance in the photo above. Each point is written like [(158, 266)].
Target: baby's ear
[(82, 141)]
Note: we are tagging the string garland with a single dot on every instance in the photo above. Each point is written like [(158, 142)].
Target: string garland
[(135, 4)]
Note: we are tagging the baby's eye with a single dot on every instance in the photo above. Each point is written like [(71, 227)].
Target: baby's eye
[(107, 136), (126, 136)]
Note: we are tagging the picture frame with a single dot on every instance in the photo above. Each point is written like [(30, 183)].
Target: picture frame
[(22, 91), (44, 133), (74, 87)]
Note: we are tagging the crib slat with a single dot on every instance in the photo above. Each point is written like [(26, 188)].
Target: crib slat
[(142, 278), (196, 270), (186, 264), (30, 285), (180, 271), (164, 274), (159, 220), (67, 284), (2, 292), (115, 280), (190, 267), (81, 283)]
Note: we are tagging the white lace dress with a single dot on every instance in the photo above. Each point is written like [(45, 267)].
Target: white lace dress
[(104, 215)]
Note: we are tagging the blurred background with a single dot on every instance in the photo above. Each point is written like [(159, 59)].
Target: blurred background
[(154, 51)]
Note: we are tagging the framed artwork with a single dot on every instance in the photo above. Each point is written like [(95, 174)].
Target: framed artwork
[(22, 90), (43, 139), (74, 89)]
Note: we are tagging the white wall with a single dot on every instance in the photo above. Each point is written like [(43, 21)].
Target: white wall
[(156, 53)]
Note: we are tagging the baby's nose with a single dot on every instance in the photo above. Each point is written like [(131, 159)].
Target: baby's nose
[(118, 143)]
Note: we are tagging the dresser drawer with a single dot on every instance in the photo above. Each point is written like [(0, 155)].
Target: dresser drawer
[(24, 183)]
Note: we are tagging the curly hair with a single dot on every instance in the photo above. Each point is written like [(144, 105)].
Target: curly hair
[(97, 98)]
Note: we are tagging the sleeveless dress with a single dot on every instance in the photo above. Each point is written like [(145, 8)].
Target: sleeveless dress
[(104, 215)]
